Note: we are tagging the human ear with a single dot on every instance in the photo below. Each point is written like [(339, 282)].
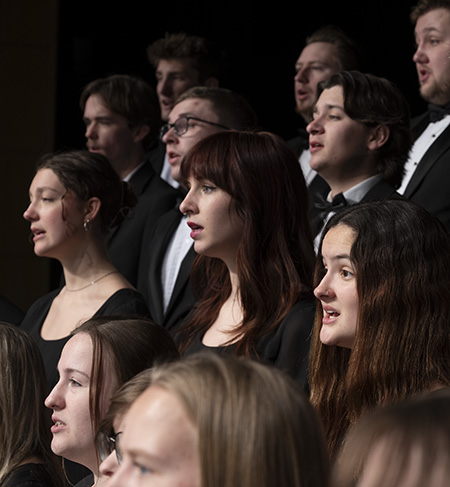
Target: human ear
[(140, 132), (378, 137), (212, 82), (92, 207)]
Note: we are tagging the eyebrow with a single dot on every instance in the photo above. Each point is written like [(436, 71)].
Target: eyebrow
[(329, 107), (341, 256), (78, 371), (44, 188)]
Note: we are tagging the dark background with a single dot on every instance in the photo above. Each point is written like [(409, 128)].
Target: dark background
[(97, 38)]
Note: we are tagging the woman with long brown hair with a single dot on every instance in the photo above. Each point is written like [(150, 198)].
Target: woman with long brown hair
[(25, 454), (382, 329), (247, 208)]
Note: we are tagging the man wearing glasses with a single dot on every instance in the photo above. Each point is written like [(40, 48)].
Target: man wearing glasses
[(167, 252)]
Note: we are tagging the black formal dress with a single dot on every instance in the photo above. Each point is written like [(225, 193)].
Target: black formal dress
[(29, 475), (286, 347), (125, 302)]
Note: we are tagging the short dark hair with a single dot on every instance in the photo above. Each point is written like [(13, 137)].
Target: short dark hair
[(232, 109), (347, 49), (373, 101), (129, 96), (425, 6), (87, 175), (202, 54)]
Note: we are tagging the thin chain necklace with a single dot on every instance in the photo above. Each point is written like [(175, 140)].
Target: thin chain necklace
[(91, 283)]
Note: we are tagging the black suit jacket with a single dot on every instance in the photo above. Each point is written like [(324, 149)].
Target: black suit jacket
[(156, 156), (155, 242), (380, 191), (429, 184), (155, 197)]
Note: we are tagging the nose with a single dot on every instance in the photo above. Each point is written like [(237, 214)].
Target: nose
[(91, 131), (324, 290), (121, 477), (188, 205), (315, 126), (301, 76), (170, 136), (55, 399), (164, 86), (30, 213), (419, 55), (110, 465)]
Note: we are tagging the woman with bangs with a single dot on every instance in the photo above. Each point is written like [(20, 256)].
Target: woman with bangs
[(247, 207), (382, 329)]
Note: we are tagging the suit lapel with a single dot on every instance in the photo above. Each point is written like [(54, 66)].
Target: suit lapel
[(163, 233), (436, 150), (182, 278)]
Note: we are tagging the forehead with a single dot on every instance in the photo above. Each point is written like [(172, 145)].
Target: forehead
[(338, 241), (157, 424), (183, 65), (77, 353), (332, 96), (322, 52), (48, 179), (96, 107), (438, 19), (197, 107)]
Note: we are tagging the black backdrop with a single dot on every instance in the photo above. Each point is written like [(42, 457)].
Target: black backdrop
[(98, 38)]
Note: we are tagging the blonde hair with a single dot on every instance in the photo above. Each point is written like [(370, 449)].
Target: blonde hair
[(256, 426)]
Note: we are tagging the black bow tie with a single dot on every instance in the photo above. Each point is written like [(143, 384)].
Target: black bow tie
[(326, 206), (438, 112)]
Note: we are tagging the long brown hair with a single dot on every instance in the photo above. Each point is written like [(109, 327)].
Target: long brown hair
[(128, 346), (25, 423), (275, 256), (401, 255)]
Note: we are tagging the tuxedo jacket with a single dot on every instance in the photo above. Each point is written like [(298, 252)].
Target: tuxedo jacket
[(155, 197), (156, 156), (429, 185), (380, 191), (155, 242)]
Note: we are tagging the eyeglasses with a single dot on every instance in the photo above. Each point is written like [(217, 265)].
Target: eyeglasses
[(107, 444), (181, 126)]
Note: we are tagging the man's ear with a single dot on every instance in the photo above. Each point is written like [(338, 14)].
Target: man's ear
[(140, 132), (378, 137), (211, 82)]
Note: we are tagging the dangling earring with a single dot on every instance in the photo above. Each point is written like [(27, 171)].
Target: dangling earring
[(86, 224)]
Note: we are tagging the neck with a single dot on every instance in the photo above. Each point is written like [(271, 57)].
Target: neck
[(128, 164), (86, 266), (341, 186)]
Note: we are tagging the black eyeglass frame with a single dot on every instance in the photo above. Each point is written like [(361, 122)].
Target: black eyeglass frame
[(107, 444), (167, 126)]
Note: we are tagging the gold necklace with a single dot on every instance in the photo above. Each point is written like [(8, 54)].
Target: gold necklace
[(91, 283)]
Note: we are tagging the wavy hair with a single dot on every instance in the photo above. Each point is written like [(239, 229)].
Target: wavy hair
[(88, 175), (401, 256), (374, 101), (275, 257)]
